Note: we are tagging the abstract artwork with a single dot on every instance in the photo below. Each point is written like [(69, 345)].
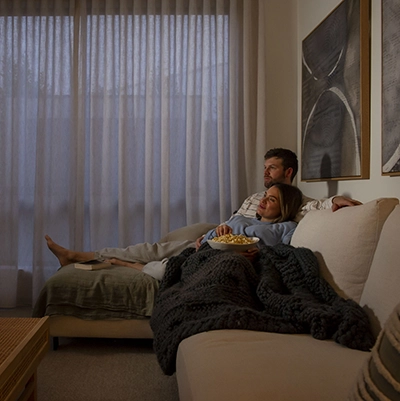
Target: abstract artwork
[(390, 87), (336, 95)]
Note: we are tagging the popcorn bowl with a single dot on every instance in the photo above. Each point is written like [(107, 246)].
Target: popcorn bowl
[(231, 246)]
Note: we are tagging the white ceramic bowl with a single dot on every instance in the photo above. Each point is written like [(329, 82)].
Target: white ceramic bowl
[(223, 246)]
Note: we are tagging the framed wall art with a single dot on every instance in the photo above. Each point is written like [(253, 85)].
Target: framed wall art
[(336, 95), (390, 87)]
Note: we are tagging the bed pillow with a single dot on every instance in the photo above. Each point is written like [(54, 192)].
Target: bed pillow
[(379, 379), (344, 242)]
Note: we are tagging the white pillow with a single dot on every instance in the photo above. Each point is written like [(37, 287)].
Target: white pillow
[(382, 288), (344, 242)]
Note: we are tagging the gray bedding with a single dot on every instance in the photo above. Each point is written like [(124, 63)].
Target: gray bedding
[(113, 293)]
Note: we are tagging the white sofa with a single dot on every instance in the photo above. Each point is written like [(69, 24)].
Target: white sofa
[(359, 253)]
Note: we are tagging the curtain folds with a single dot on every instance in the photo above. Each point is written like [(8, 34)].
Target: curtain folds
[(121, 120)]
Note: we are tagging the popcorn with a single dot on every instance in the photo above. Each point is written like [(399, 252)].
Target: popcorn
[(234, 239)]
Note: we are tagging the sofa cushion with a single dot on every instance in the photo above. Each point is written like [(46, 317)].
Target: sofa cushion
[(344, 242), (242, 365), (382, 288), (379, 379)]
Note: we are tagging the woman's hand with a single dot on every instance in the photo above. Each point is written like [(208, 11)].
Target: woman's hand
[(223, 229), (250, 254), (198, 242)]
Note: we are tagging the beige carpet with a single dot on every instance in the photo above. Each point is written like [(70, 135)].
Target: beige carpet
[(103, 370), (100, 370)]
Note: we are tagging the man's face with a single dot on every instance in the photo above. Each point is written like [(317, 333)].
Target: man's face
[(274, 172)]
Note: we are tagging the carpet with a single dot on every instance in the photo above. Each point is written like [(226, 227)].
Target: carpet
[(84, 369)]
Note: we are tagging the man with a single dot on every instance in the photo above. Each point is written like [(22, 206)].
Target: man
[(281, 165)]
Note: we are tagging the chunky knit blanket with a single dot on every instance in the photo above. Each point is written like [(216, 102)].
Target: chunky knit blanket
[(280, 292)]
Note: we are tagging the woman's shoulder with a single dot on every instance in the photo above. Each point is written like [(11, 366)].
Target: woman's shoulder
[(287, 225), (284, 224), (241, 218)]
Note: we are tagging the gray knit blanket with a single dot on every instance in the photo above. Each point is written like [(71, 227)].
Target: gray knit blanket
[(281, 292)]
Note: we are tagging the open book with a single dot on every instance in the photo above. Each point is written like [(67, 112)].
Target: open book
[(92, 265)]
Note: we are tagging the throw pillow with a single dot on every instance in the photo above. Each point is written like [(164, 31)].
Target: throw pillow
[(344, 242), (379, 378)]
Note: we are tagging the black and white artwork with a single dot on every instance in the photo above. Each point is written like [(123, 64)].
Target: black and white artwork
[(335, 95), (390, 87)]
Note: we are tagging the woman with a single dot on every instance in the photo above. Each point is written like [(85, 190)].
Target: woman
[(276, 210), (275, 224)]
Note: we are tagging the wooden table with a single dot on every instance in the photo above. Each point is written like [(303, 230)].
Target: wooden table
[(23, 344)]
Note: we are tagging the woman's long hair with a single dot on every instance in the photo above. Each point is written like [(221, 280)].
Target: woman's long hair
[(290, 199)]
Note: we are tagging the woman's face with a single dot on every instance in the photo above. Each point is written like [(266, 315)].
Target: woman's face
[(269, 207)]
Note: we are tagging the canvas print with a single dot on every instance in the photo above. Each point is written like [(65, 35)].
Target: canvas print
[(390, 87), (335, 95)]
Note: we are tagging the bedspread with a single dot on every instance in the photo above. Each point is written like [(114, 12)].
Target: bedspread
[(113, 293), (280, 292)]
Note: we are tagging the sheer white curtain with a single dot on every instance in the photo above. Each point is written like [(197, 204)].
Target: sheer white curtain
[(121, 120)]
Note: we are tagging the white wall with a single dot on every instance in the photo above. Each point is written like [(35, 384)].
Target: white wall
[(281, 74), (277, 84), (310, 13)]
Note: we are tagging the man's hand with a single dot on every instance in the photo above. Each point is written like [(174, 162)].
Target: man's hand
[(223, 229), (341, 201)]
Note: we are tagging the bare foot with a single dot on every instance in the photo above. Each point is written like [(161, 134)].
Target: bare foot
[(65, 256), (60, 253)]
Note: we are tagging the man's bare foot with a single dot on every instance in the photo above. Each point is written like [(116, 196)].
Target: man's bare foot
[(66, 256), (63, 255)]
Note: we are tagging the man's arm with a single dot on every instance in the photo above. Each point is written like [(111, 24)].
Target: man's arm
[(343, 201), (334, 203)]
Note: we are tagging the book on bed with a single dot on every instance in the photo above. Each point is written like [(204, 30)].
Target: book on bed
[(92, 265)]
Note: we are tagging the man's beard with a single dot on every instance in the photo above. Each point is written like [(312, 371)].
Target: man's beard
[(269, 184)]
